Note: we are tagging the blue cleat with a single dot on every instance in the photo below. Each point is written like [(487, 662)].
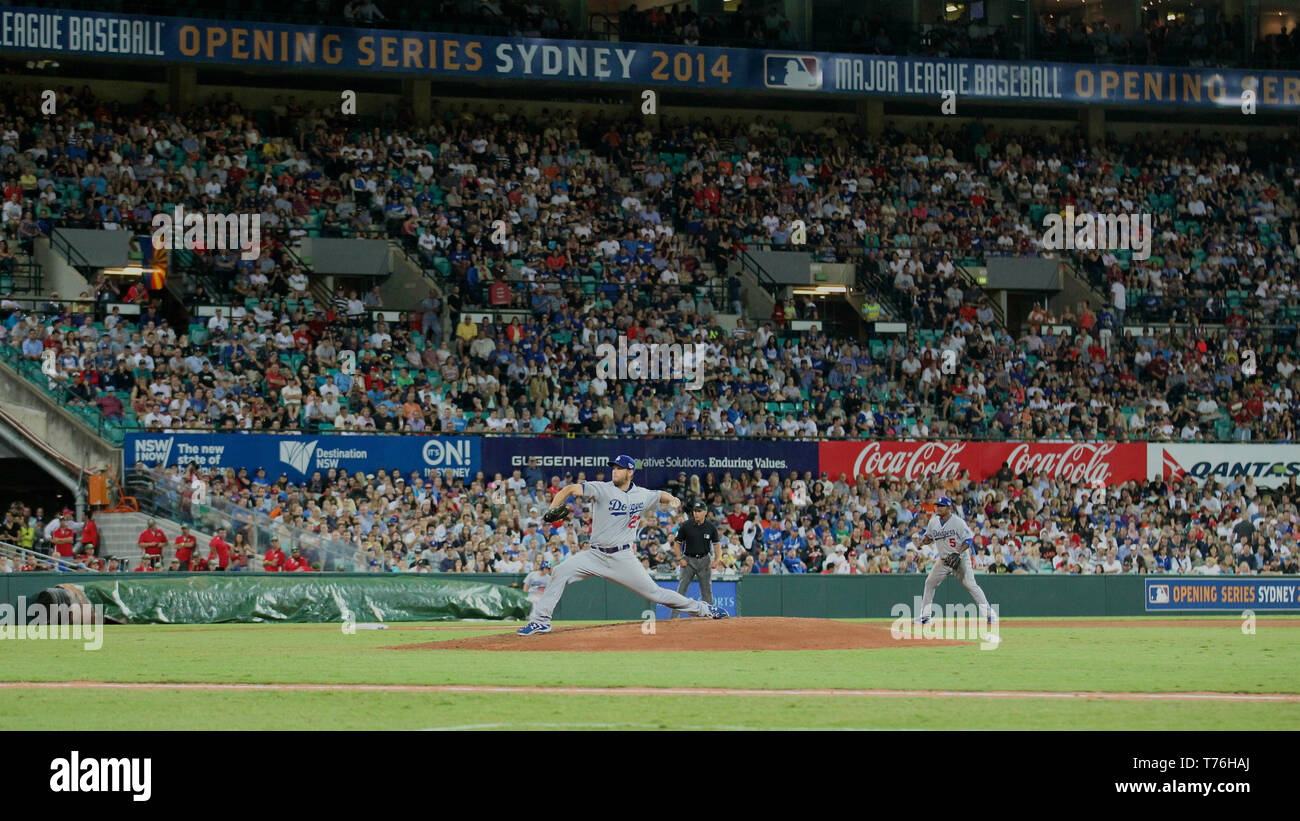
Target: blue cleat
[(921, 620), (533, 627), (716, 612)]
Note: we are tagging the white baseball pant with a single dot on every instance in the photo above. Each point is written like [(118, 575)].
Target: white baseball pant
[(621, 568)]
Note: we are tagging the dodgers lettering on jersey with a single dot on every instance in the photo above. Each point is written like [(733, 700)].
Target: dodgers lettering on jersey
[(949, 535), (616, 515)]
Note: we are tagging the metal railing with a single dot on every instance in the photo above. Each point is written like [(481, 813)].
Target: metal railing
[(999, 315), (57, 563), (27, 275), (62, 245), (765, 280)]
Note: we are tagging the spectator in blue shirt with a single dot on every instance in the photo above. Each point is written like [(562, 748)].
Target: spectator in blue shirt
[(772, 535), (793, 564), (33, 348)]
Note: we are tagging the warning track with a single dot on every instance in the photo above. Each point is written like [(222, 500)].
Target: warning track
[(1293, 698)]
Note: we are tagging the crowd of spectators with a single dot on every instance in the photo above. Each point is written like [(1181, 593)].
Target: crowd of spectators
[(1203, 36), (600, 215), (1065, 377), (53, 541), (768, 523)]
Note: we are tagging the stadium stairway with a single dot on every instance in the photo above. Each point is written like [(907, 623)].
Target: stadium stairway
[(40, 419)]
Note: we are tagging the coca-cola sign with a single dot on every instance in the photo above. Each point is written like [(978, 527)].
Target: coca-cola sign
[(1077, 463), (1089, 462), (907, 461)]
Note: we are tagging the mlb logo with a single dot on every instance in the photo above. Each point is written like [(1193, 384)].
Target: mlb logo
[(794, 72), (1158, 594)]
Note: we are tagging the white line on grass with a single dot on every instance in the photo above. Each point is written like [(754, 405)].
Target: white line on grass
[(470, 689)]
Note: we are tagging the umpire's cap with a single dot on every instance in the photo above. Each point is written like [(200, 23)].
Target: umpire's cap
[(623, 461), (944, 501), (698, 507)]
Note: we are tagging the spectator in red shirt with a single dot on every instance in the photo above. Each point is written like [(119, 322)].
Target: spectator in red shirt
[(152, 540), (90, 535), (296, 562), (219, 549), (499, 294), (273, 562), (62, 537), (198, 563), (146, 565), (185, 547), (736, 519)]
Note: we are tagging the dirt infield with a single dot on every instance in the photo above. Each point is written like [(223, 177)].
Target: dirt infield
[(695, 634)]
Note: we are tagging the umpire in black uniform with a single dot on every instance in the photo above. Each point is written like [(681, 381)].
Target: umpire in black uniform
[(698, 542)]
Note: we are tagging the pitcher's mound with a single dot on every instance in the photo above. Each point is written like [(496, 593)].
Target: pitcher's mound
[(695, 634)]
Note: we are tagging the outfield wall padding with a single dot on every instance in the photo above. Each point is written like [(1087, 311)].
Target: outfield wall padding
[(437, 597), (213, 598)]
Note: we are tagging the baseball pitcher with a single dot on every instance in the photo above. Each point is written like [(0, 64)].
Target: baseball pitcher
[(617, 508), (952, 537)]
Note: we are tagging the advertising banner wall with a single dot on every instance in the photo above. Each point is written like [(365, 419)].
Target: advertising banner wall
[(659, 459), (1090, 462), (724, 596), (54, 33), (300, 456), (1271, 465), (1222, 593)]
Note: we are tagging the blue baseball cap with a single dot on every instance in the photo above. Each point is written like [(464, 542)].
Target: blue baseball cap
[(623, 461), (944, 501), (545, 565)]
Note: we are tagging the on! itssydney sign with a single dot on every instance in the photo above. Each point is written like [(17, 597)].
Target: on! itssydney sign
[(300, 456)]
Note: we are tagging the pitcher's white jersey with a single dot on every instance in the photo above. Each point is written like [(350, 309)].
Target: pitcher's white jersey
[(948, 536), (616, 515)]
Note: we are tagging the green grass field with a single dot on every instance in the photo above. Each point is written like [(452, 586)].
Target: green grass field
[(1166, 659)]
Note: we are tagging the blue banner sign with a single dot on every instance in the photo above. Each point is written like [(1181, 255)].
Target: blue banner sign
[(300, 456), (724, 596), (658, 460), (54, 33), (1223, 593)]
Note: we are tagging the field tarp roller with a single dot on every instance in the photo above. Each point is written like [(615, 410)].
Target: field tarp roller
[(212, 599)]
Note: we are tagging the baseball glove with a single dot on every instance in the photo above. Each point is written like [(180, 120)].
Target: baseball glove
[(556, 514), (953, 560)]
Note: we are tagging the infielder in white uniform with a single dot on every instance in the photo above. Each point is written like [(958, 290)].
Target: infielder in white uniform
[(953, 537), (617, 510), (535, 583)]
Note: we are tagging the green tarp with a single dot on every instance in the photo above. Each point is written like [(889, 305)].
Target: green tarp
[(215, 598)]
